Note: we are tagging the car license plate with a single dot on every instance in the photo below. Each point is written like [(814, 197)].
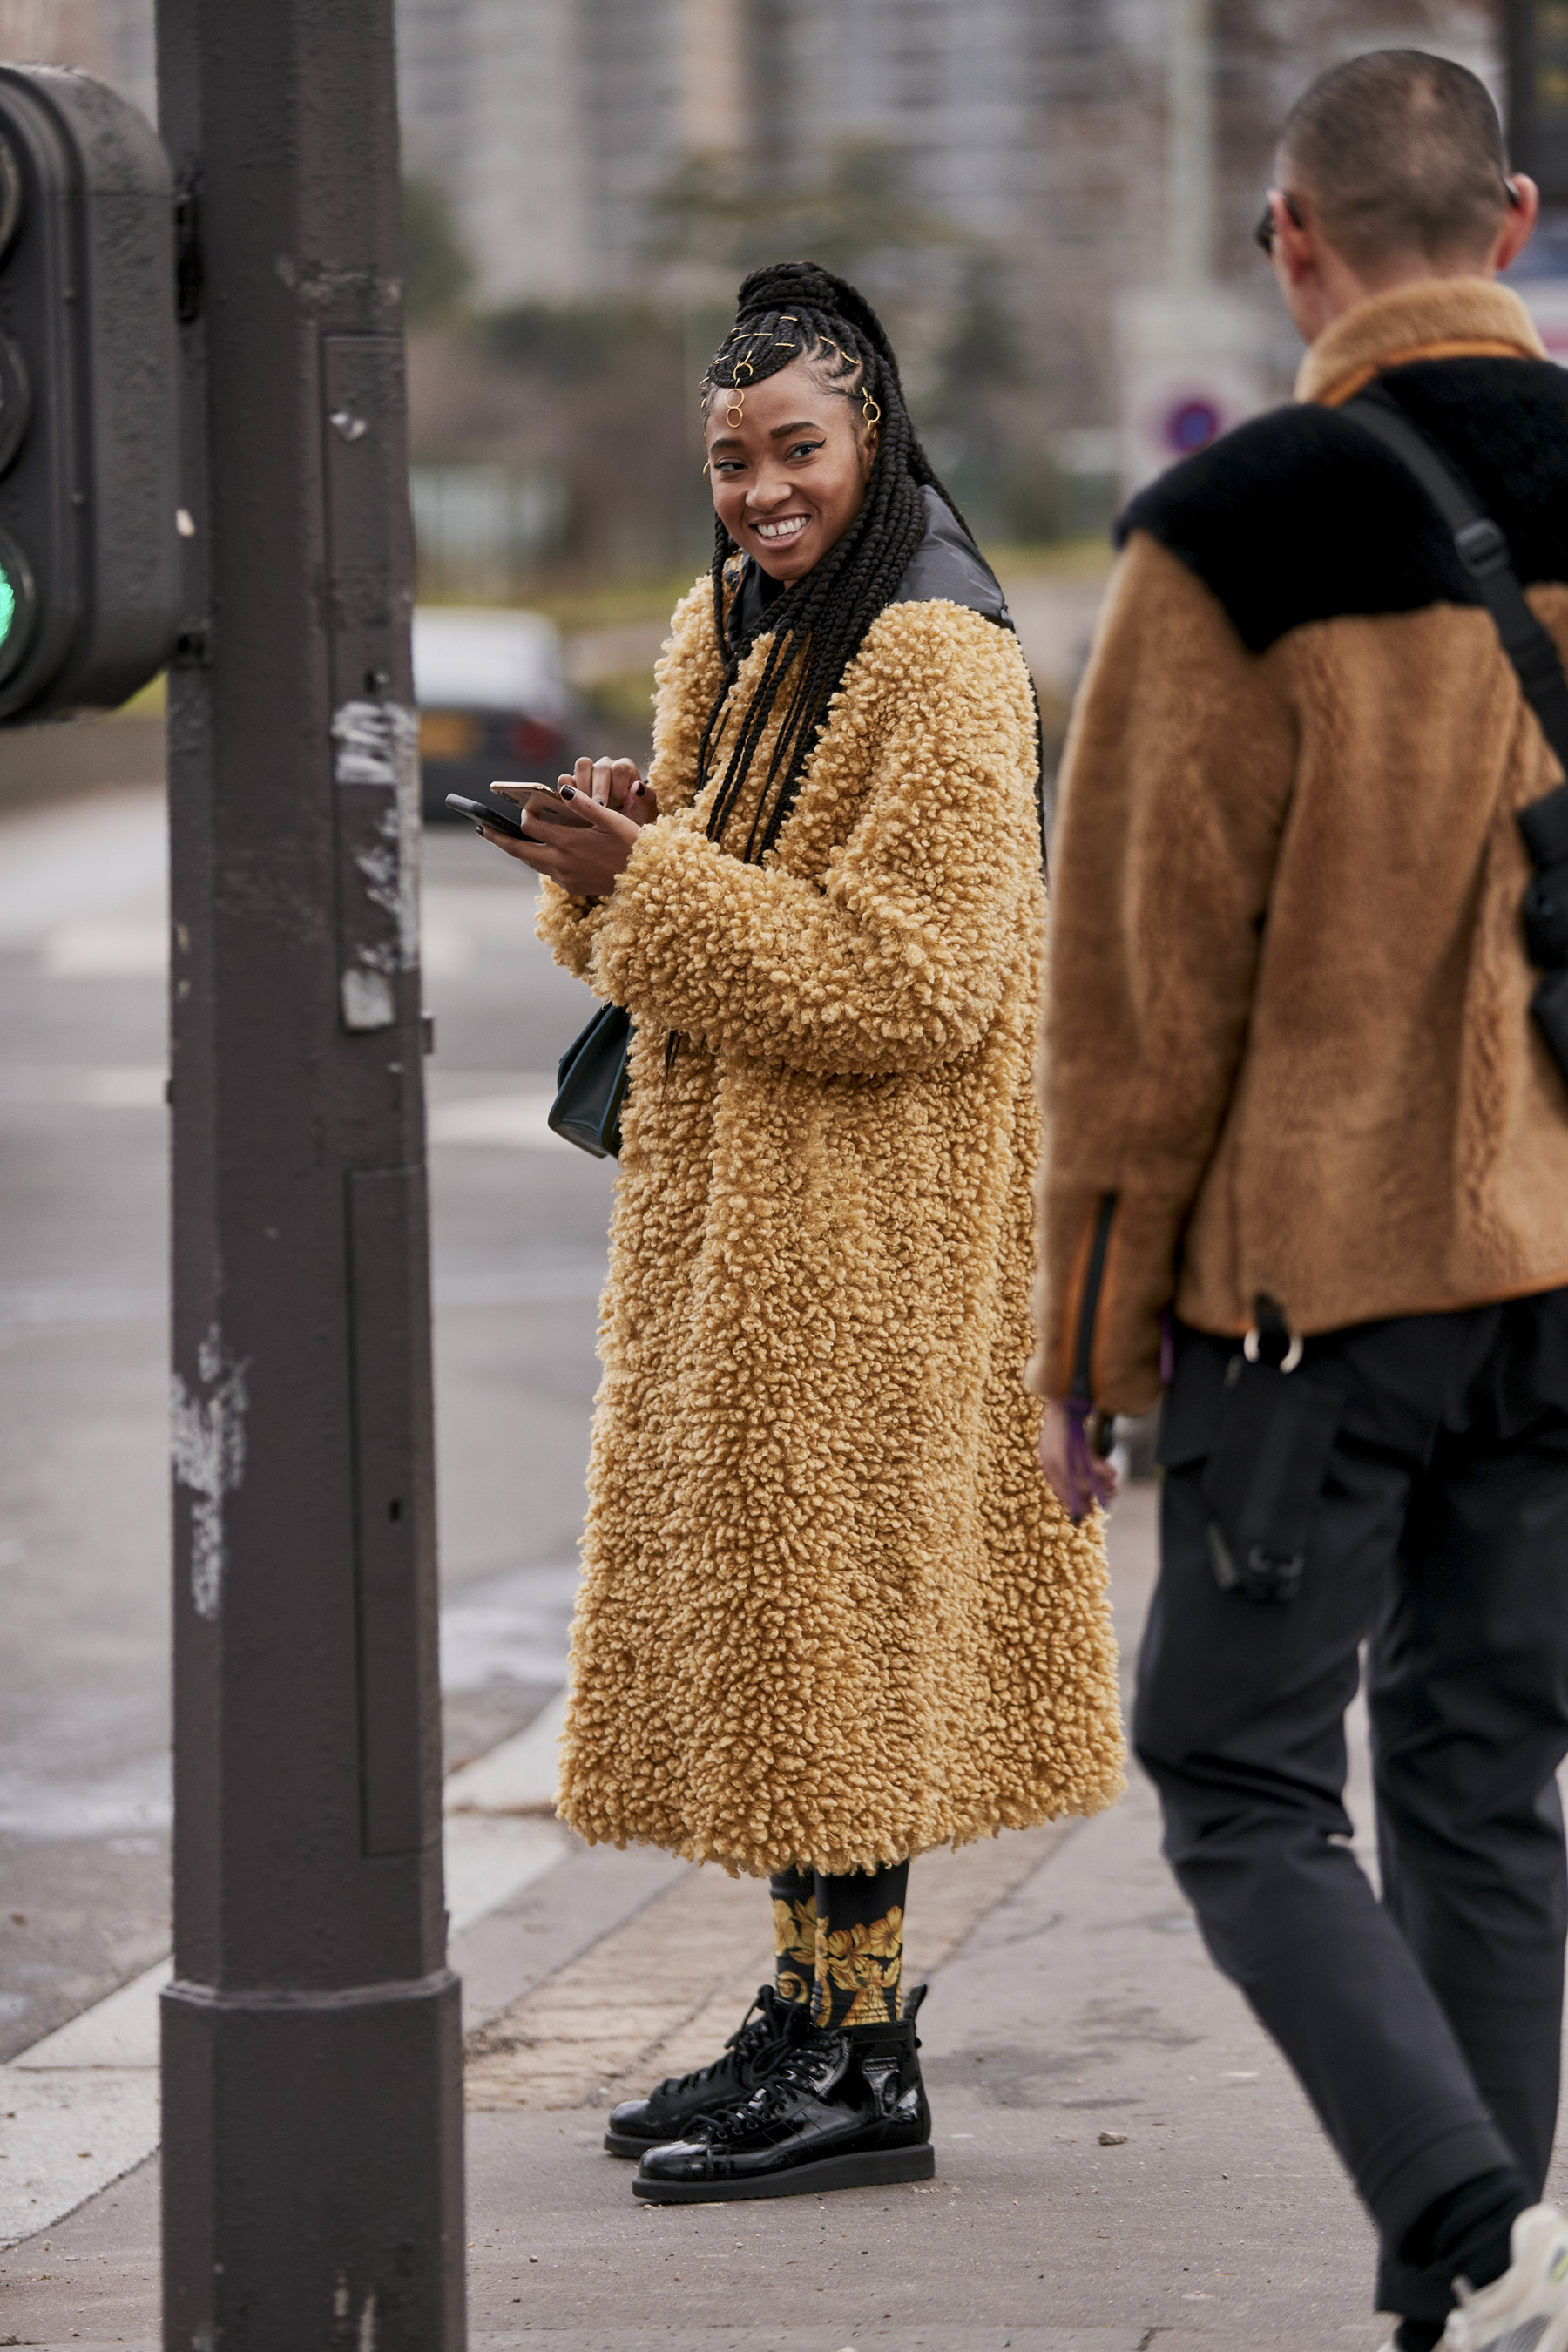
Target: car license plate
[(449, 735)]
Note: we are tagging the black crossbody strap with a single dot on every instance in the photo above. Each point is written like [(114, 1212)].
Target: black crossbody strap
[(1484, 552)]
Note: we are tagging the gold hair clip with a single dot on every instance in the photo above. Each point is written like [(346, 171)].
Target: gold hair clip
[(735, 411), (868, 408)]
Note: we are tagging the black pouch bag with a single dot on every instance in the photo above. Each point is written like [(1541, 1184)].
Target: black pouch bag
[(1266, 1470), (591, 1080)]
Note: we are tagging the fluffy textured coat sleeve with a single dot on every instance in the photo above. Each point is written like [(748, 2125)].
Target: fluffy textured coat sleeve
[(887, 963), (1174, 788)]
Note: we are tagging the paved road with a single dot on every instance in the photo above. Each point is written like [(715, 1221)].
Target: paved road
[(519, 1245)]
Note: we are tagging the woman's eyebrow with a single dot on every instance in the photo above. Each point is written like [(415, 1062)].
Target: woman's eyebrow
[(779, 432)]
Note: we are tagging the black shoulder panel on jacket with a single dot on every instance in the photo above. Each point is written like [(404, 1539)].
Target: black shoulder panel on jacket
[(1300, 516)]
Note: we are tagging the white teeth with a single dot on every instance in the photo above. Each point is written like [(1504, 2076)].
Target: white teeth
[(789, 528)]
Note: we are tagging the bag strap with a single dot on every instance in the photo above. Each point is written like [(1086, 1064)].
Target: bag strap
[(1484, 552)]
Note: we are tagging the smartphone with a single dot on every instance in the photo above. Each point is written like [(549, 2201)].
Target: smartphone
[(483, 814), (540, 802)]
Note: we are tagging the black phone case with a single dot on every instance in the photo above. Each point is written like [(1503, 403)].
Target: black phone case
[(473, 810)]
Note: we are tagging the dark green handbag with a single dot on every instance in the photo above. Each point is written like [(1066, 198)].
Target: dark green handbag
[(590, 1084)]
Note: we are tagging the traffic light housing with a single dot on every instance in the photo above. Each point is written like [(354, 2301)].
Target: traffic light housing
[(90, 566)]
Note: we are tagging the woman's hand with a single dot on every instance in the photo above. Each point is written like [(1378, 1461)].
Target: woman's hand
[(585, 858), (616, 783)]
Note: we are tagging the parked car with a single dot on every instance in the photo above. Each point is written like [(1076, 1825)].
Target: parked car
[(492, 700)]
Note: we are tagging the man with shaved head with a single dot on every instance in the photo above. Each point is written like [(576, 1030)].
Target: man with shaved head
[(1306, 1086)]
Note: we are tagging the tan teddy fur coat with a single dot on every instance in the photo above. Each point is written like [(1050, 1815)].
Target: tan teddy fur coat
[(1288, 1044), (830, 1613)]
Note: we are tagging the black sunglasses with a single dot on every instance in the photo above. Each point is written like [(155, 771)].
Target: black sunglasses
[(1263, 234)]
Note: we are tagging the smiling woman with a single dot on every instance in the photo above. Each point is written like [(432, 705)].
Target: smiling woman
[(789, 460), (830, 1614)]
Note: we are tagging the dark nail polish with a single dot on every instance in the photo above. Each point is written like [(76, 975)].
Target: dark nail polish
[(568, 791)]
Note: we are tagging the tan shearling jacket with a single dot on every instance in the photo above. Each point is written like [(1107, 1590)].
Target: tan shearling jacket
[(1287, 1046)]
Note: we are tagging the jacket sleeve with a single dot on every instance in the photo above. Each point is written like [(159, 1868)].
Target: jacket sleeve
[(1175, 783), (686, 676), (896, 960)]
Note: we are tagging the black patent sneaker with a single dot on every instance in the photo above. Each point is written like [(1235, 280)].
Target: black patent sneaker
[(637, 2125), (841, 2108)]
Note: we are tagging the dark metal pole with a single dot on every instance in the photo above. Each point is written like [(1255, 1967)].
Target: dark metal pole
[(313, 2163)]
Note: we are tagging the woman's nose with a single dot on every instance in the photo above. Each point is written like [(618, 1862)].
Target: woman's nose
[(767, 492)]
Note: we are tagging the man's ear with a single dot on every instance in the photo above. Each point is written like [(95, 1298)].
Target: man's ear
[(1523, 212), (1295, 239)]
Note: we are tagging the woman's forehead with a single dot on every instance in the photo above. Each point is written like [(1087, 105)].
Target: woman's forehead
[(794, 395)]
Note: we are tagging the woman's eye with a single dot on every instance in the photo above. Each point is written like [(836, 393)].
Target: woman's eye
[(727, 465), (805, 448)]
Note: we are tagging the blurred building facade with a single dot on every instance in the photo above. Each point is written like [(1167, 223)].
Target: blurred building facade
[(996, 172), (1034, 129)]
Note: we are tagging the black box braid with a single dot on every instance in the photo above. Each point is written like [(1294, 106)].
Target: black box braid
[(790, 311)]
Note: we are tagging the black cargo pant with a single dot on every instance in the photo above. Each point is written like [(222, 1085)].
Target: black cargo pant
[(1426, 2029)]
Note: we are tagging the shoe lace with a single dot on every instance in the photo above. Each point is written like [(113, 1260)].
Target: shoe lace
[(769, 2026), (789, 2066)]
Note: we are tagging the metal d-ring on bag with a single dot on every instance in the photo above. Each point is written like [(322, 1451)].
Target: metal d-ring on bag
[(1484, 552)]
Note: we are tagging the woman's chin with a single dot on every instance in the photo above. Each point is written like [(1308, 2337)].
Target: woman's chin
[(784, 562)]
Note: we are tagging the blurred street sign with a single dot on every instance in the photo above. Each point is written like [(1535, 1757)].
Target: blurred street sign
[(1189, 367), (1538, 93)]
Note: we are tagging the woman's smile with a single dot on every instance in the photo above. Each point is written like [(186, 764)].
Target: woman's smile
[(780, 528)]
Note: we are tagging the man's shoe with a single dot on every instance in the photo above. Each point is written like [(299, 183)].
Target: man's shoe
[(841, 2108), (637, 2125), (1526, 2310)]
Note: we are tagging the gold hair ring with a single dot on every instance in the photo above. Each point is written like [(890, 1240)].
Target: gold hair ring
[(868, 408), (734, 411)]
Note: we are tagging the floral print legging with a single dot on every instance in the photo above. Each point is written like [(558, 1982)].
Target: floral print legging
[(839, 1943)]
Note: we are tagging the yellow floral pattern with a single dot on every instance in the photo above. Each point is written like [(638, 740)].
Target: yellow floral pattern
[(866, 1961), (795, 1938)]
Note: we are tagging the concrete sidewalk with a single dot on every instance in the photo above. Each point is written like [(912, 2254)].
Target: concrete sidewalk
[(1075, 2003)]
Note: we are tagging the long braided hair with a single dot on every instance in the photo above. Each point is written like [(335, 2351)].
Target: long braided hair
[(790, 311)]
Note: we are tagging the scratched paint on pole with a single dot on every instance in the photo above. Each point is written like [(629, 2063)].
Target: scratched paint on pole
[(208, 1448), (376, 770)]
